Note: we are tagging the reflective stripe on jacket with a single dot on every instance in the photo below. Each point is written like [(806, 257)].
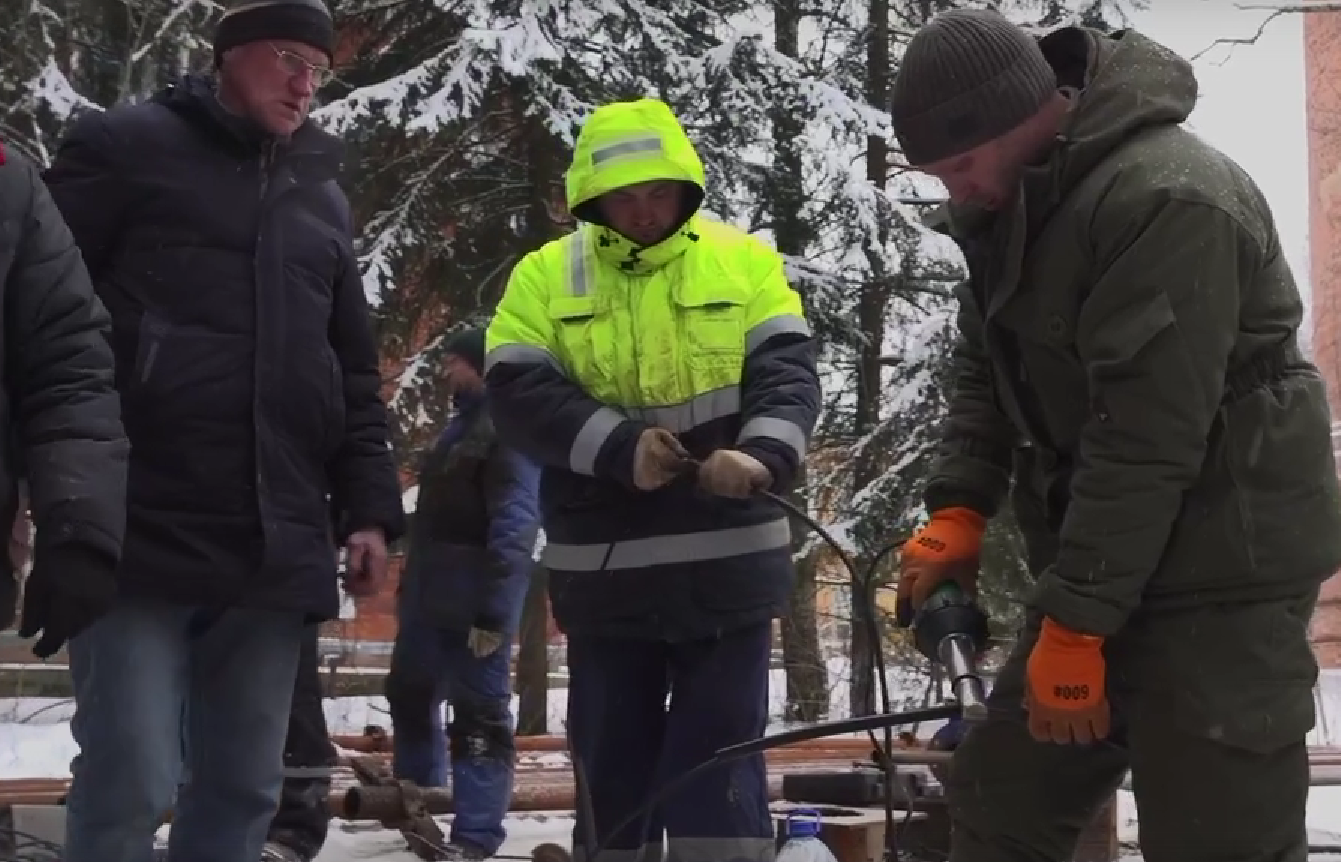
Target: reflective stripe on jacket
[(596, 339)]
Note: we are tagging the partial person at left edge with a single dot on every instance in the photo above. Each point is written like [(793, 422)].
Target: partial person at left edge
[(216, 233), (61, 414)]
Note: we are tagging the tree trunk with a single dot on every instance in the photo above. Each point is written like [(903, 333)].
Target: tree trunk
[(807, 678), (871, 322), (533, 658), (543, 156)]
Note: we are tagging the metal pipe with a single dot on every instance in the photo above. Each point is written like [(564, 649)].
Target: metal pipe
[(957, 653), (380, 742), (774, 757)]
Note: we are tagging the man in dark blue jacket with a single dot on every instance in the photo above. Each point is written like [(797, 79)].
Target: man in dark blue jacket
[(470, 557), (216, 235)]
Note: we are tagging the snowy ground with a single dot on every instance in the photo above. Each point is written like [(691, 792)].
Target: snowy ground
[(35, 742)]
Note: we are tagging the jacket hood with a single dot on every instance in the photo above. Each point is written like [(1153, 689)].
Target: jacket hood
[(1127, 83), (626, 143)]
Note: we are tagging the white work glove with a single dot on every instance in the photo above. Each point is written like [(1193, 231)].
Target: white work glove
[(483, 642), (657, 459), (732, 473)]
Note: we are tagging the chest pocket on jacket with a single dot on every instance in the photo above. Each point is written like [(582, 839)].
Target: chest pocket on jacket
[(584, 330), (712, 326), (1036, 349)]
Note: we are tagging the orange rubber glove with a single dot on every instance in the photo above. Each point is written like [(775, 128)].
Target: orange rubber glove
[(947, 548), (1064, 687)]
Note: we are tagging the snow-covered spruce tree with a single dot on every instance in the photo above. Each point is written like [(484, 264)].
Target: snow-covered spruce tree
[(760, 114), (63, 56), (452, 175)]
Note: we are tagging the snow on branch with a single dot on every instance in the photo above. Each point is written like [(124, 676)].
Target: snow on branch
[(52, 88)]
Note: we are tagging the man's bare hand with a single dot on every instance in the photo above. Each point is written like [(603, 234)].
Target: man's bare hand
[(366, 563)]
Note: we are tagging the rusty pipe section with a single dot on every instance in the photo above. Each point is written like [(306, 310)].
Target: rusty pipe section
[(541, 790), (559, 759), (375, 740), (390, 804), (551, 789)]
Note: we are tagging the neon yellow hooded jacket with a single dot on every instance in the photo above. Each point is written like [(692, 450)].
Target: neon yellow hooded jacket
[(595, 339)]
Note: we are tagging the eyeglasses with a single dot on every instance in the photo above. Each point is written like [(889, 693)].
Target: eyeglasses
[(294, 65)]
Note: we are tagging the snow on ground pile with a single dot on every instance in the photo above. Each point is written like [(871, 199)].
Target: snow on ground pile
[(352, 842)]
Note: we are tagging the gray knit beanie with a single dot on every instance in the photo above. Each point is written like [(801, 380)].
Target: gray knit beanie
[(967, 77)]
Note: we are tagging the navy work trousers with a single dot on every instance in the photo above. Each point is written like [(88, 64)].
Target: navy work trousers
[(628, 740)]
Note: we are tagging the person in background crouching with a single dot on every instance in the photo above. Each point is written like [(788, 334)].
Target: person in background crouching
[(472, 537)]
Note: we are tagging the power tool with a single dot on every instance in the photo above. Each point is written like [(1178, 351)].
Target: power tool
[(951, 630)]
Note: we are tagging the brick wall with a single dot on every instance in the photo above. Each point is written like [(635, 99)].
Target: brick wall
[(375, 617), (1322, 52)]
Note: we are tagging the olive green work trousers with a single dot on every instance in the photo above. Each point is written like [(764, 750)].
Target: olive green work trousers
[(1211, 707)]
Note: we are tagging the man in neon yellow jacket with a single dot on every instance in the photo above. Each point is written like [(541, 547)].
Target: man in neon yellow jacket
[(652, 338)]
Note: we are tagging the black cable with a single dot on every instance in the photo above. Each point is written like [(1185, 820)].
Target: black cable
[(863, 585), (27, 847), (764, 743)]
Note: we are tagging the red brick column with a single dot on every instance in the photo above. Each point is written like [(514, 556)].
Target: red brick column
[(1322, 64)]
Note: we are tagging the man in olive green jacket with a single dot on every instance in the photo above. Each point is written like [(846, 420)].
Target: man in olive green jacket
[(1128, 358)]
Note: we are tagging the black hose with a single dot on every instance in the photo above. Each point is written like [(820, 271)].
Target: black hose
[(19, 846), (863, 585), (764, 743), (863, 588)]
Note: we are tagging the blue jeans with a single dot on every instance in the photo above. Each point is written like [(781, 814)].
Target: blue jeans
[(430, 665), (151, 674)]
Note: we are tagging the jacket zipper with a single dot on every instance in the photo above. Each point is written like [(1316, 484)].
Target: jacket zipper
[(637, 352), (267, 160)]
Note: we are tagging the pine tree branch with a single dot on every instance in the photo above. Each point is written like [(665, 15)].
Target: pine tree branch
[(1275, 12)]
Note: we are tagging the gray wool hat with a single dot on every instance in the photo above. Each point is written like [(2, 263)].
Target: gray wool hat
[(966, 77)]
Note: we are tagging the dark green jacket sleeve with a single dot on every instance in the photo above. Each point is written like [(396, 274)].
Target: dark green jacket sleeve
[(59, 373), (1155, 336), (972, 467)]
